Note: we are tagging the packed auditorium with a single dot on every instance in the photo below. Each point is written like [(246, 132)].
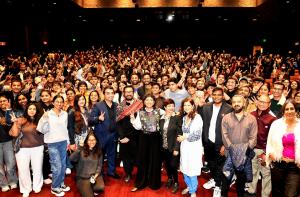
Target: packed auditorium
[(143, 98)]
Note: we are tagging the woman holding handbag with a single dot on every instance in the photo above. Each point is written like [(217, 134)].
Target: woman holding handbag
[(30, 150), (88, 159)]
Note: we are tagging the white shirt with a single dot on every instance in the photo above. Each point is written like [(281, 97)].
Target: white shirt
[(212, 126), (58, 127)]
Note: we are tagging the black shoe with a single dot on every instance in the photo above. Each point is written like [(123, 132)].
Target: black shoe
[(175, 188), (205, 169), (127, 178), (114, 176), (169, 183), (247, 194)]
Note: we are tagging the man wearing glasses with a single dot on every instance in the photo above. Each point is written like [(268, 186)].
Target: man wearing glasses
[(278, 99), (264, 118)]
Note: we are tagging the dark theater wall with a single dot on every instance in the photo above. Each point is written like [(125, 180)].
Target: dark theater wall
[(64, 25)]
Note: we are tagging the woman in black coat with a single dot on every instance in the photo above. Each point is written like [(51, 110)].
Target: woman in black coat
[(170, 128)]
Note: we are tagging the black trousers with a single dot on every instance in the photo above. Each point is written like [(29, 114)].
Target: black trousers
[(285, 179), (46, 163), (171, 163), (87, 189), (149, 161), (215, 163), (128, 153), (240, 182)]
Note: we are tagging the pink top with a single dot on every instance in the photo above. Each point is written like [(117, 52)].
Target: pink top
[(288, 142)]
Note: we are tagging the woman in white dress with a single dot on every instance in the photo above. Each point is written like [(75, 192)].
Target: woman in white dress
[(191, 146)]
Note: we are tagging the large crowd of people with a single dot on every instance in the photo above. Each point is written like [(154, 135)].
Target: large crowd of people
[(164, 107)]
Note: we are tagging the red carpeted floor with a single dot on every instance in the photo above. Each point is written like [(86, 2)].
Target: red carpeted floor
[(118, 188)]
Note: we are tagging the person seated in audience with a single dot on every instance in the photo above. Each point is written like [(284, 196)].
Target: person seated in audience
[(94, 69)]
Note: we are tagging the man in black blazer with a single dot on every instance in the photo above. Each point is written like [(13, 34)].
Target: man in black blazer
[(212, 114)]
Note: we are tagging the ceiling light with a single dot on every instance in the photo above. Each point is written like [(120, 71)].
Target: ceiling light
[(170, 17)]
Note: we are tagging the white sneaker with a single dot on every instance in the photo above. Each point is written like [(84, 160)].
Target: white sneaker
[(25, 195), (68, 171), (193, 195), (57, 192), (5, 188), (65, 188), (217, 192), (185, 191), (209, 184), (47, 181), (13, 186)]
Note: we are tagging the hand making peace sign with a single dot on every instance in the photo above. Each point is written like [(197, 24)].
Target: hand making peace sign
[(101, 117)]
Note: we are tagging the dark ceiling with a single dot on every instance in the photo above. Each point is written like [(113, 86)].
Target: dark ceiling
[(28, 24)]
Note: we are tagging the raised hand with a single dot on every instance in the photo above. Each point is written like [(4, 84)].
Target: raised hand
[(101, 117), (13, 117)]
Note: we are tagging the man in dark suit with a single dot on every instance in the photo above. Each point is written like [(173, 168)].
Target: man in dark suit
[(127, 133), (103, 117), (212, 114)]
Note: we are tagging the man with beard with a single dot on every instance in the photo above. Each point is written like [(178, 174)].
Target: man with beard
[(239, 132), (214, 150), (127, 133), (135, 82), (264, 118), (245, 91), (146, 87)]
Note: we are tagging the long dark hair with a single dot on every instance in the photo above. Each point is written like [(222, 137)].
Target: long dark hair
[(192, 114), (35, 119), (292, 101), (90, 102), (18, 105), (96, 151), (79, 122)]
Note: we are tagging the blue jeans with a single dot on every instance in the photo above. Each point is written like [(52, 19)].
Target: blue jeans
[(7, 158), (68, 162), (191, 182), (57, 154)]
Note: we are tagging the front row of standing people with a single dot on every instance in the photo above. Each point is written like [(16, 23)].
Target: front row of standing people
[(163, 136)]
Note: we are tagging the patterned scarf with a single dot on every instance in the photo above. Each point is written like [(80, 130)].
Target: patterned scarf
[(124, 110)]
